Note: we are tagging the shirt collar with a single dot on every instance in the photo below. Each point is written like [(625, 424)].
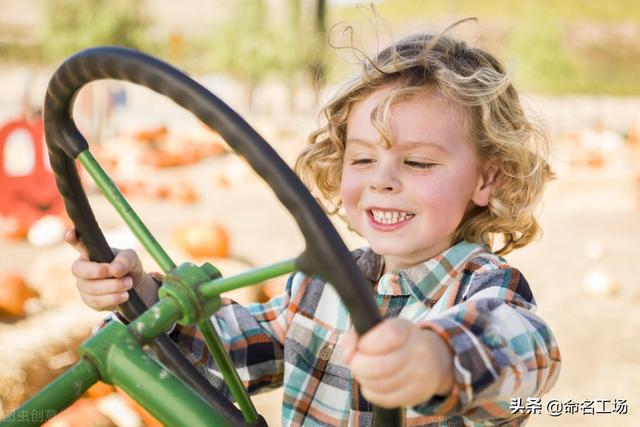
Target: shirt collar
[(427, 280)]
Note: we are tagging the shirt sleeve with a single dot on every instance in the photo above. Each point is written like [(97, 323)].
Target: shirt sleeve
[(502, 349), (253, 335)]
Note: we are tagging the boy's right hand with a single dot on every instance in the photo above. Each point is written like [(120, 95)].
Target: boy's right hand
[(103, 286)]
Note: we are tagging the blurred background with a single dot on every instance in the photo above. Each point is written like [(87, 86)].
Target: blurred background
[(576, 63)]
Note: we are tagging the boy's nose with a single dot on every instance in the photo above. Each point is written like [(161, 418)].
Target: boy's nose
[(382, 188), (384, 181)]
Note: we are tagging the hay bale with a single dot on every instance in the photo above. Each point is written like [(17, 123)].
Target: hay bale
[(39, 348), (51, 277)]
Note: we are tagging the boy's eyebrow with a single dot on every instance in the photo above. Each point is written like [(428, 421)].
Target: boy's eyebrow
[(405, 145)]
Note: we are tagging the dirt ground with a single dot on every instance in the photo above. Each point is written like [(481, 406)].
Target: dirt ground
[(590, 217)]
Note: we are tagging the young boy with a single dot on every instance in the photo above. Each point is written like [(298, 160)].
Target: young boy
[(430, 158)]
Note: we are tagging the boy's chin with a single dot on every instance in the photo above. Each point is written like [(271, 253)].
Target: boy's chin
[(389, 249)]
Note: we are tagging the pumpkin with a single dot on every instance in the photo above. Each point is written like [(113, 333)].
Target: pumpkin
[(132, 187), (162, 159), (151, 135), (99, 390), (213, 148), (13, 228), (271, 288), (633, 137), (161, 192), (83, 413), (595, 160), (223, 182), (203, 240), (183, 192), (47, 231), (14, 292)]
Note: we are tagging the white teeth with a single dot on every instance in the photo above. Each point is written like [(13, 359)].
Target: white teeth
[(390, 217)]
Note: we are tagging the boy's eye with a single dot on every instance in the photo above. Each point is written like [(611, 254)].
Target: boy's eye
[(419, 165), (361, 161)]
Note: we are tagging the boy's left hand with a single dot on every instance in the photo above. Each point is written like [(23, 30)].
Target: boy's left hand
[(399, 364)]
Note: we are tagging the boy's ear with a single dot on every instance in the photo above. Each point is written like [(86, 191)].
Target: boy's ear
[(486, 181)]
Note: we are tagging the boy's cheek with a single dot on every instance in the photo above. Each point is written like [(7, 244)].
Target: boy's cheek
[(348, 187)]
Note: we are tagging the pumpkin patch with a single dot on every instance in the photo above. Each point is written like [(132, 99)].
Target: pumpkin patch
[(14, 293), (203, 240)]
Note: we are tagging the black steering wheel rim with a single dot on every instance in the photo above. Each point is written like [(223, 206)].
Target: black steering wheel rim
[(325, 255)]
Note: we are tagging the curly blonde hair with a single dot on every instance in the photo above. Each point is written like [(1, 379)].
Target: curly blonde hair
[(497, 123)]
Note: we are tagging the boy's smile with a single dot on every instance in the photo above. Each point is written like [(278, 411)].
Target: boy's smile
[(388, 219), (408, 199)]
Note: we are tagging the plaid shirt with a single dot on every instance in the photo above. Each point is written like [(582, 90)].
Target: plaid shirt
[(482, 307)]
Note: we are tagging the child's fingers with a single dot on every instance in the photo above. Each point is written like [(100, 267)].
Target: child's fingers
[(388, 383), (378, 367), (124, 262), (71, 237), (105, 302), (349, 343), (387, 336), (89, 270), (104, 286)]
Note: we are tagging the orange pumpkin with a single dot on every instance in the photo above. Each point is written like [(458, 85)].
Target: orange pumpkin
[(151, 135), (183, 192), (213, 148), (162, 159), (99, 390), (13, 228), (161, 192), (223, 182), (595, 160), (83, 413), (271, 289), (203, 240), (14, 292)]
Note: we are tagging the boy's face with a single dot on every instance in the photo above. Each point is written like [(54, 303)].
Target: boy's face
[(407, 200)]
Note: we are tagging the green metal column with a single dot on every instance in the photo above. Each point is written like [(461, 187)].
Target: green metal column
[(229, 373), (122, 362), (257, 275), (156, 320), (111, 192), (158, 391), (55, 397)]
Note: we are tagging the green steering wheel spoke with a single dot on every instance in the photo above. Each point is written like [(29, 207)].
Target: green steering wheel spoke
[(55, 397), (117, 200), (158, 319), (230, 375), (251, 277)]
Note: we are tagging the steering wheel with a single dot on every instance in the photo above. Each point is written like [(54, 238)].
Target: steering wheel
[(325, 254)]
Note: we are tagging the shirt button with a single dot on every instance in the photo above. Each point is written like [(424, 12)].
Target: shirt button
[(325, 353)]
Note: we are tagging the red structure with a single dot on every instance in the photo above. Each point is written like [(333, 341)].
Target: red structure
[(28, 197)]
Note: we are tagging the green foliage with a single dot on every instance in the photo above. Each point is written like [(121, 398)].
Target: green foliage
[(519, 10), (284, 39), (543, 64), (261, 41), (537, 37), (71, 26), (254, 43)]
